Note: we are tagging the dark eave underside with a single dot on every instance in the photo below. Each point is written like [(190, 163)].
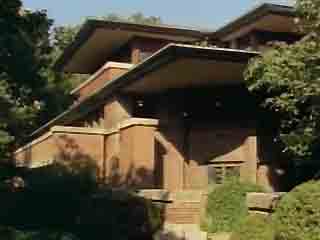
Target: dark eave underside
[(252, 16), (91, 25)]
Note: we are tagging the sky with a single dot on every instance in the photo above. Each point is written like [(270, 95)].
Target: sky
[(206, 14)]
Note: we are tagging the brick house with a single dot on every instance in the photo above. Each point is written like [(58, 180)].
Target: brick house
[(160, 112)]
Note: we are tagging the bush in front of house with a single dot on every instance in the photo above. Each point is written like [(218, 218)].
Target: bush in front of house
[(65, 202), (254, 227), (118, 215), (298, 214), (226, 206), (10, 233)]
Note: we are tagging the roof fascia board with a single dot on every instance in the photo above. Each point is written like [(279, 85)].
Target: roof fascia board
[(221, 54), (149, 28)]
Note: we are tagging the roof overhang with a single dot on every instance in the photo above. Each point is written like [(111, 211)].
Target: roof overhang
[(174, 66), (266, 17), (185, 66), (98, 40)]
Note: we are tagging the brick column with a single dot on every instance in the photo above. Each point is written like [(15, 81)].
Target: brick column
[(137, 152), (248, 171)]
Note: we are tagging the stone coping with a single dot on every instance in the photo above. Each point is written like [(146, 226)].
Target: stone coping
[(108, 65), (34, 142), (219, 236), (138, 122), (72, 130), (83, 130), (91, 131), (263, 201), (190, 196)]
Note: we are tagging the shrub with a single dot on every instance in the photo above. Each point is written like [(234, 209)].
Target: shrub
[(66, 198), (125, 215), (298, 214), (9, 233), (255, 227), (226, 206)]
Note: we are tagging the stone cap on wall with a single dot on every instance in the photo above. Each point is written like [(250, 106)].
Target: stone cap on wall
[(264, 202), (91, 131), (139, 122), (62, 129), (190, 196)]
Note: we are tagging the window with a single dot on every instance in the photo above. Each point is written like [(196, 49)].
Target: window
[(144, 55), (217, 174)]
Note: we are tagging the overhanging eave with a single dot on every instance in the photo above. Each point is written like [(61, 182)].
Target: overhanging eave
[(98, 40), (137, 78)]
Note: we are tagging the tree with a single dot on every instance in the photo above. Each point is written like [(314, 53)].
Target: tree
[(30, 92), (286, 81), (309, 19), (137, 17), (24, 42)]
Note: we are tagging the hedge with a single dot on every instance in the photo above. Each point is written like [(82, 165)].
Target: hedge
[(254, 227), (226, 206), (297, 217)]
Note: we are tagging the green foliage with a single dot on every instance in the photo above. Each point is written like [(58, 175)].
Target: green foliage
[(9, 233), (125, 215), (65, 200), (286, 81), (27, 91), (137, 17), (308, 13), (23, 44), (226, 206), (298, 214), (77, 176), (254, 227)]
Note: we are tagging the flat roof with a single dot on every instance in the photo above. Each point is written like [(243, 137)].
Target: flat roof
[(98, 40), (144, 72), (254, 15)]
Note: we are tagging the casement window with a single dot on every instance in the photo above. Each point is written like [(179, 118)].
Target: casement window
[(144, 54), (218, 173)]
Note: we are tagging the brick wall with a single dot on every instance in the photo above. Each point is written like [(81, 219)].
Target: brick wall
[(144, 47), (182, 213), (124, 155), (109, 71), (63, 143), (179, 207)]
